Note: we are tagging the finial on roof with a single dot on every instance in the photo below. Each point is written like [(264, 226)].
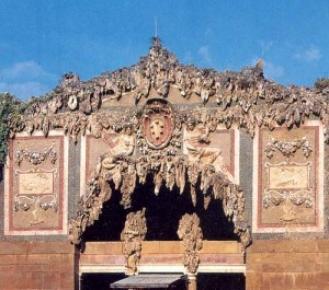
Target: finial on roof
[(156, 42)]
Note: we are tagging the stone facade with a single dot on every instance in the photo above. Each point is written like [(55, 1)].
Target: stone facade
[(37, 265), (236, 138), (288, 264)]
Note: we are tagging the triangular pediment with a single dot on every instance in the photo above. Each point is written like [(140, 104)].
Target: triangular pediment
[(245, 98), (158, 74)]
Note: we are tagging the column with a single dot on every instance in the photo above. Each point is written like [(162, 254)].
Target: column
[(191, 283)]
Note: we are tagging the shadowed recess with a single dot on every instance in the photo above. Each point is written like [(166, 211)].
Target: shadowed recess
[(163, 213)]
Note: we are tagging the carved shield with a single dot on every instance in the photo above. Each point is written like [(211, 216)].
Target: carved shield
[(157, 124)]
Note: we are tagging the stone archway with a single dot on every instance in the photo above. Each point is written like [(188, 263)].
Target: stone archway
[(127, 172), (151, 145), (123, 173)]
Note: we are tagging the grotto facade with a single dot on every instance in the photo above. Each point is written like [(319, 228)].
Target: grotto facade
[(163, 175)]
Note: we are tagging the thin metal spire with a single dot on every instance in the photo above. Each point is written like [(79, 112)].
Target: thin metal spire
[(155, 26)]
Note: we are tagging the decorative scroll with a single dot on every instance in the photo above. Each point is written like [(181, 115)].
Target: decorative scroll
[(189, 231), (132, 236), (34, 182)]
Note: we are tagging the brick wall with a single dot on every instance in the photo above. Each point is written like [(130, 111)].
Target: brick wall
[(37, 265), (288, 265)]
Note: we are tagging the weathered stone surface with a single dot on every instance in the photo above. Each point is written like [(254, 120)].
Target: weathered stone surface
[(37, 265), (297, 265)]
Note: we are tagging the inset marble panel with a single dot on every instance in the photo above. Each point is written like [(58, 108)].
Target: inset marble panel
[(288, 179), (93, 148), (36, 185), (219, 148)]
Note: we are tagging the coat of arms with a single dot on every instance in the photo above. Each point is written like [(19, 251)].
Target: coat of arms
[(157, 123)]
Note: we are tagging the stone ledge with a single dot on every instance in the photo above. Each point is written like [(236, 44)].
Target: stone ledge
[(24, 247), (289, 246)]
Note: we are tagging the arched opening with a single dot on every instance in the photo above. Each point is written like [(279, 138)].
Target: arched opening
[(163, 212), (161, 215)]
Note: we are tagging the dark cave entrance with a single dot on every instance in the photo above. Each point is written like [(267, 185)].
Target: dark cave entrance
[(163, 212)]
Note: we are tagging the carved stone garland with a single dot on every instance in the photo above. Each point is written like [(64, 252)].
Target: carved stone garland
[(132, 236), (288, 148), (189, 231), (36, 157)]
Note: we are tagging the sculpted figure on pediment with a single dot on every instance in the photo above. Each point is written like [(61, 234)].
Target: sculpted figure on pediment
[(121, 145), (197, 143)]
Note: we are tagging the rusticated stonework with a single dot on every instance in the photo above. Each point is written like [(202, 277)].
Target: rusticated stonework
[(288, 179), (35, 187)]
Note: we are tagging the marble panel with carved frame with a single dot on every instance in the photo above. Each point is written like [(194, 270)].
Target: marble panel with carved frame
[(36, 184), (219, 148), (288, 179)]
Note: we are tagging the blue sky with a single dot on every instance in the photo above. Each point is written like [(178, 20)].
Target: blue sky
[(40, 40)]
